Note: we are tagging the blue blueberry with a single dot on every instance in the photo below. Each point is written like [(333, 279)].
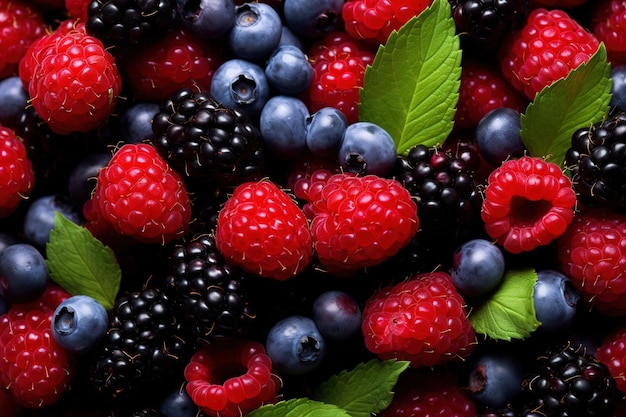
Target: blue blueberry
[(283, 126), (618, 87), (495, 378), (295, 345), (287, 37), (325, 130), (477, 267), (79, 323), (256, 32), (555, 299), (288, 70), (367, 148), (136, 121), (498, 135), (209, 19), (6, 240), (39, 218), (13, 100), (82, 179), (337, 315), (23, 273), (238, 83), (177, 403), (312, 19)]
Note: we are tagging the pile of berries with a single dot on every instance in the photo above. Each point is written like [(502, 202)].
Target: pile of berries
[(196, 219)]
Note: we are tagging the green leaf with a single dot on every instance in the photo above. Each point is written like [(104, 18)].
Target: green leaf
[(576, 101), (298, 407), (364, 390), (412, 87), (510, 312), (81, 264)]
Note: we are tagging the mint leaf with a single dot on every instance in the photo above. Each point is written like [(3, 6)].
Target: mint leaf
[(510, 311), (81, 264), (412, 87), (576, 101), (298, 407), (364, 390)]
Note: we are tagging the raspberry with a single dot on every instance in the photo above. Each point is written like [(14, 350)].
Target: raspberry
[(374, 20), (17, 177), (33, 367), (422, 320), (547, 48), (360, 221), (609, 26), (141, 196), (77, 9), (264, 232), (592, 254), (72, 80), (612, 353), (217, 386), (528, 203), (20, 26)]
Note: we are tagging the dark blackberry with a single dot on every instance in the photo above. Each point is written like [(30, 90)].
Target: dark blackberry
[(491, 412), (210, 294), (597, 160), (146, 412), (206, 141), (144, 345)]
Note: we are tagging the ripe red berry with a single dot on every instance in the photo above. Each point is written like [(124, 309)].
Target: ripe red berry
[(528, 203), (422, 320), (609, 26), (20, 26), (17, 177), (612, 353), (261, 229), (77, 9), (141, 196)]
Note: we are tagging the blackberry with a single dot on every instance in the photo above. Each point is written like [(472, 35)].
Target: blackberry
[(147, 412), (597, 160), (206, 141), (210, 294), (505, 412)]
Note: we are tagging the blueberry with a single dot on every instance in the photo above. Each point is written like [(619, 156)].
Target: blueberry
[(13, 100), (337, 315), (324, 131), (79, 323), (23, 273), (241, 84), (136, 121), (209, 19), (477, 267), (288, 70), (367, 148), (283, 126), (39, 218), (495, 378), (177, 403), (82, 179), (287, 37), (6, 240), (555, 299), (618, 88), (498, 135), (295, 345), (256, 32), (312, 19)]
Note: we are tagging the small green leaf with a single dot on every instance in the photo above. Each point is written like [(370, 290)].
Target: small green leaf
[(364, 390), (510, 312), (298, 407), (576, 101), (81, 264), (412, 87)]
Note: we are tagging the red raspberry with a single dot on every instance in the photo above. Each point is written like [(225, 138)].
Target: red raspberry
[(422, 320), (217, 385), (612, 353), (179, 60), (374, 20), (609, 26), (77, 9), (141, 196), (547, 48), (528, 203), (72, 80), (483, 89), (261, 229), (360, 221), (592, 254), (34, 368), (17, 177), (20, 26), (339, 67)]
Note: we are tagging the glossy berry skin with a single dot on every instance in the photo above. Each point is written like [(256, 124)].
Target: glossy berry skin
[(177, 403), (23, 273), (609, 26), (612, 353), (556, 300), (295, 345), (367, 148), (17, 177), (79, 323), (324, 131), (283, 126), (498, 135), (136, 121), (82, 180), (312, 19), (263, 231), (421, 320), (477, 267), (288, 70), (618, 87), (256, 32), (39, 218), (336, 314), (528, 203), (495, 378), (209, 19), (14, 100), (20, 26)]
